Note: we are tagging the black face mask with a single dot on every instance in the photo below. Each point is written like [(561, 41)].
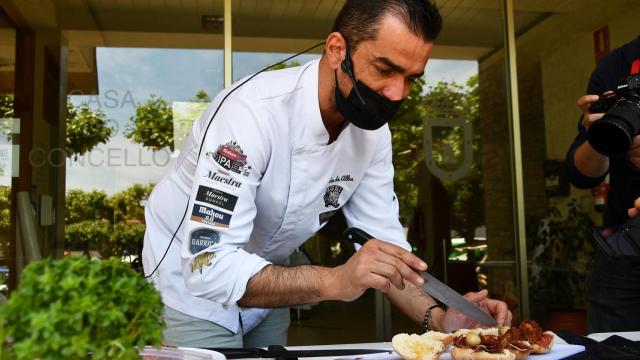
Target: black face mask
[(363, 107)]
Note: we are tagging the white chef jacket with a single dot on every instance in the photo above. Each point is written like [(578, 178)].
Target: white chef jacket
[(266, 181)]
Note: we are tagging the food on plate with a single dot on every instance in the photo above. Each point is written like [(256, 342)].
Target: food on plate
[(445, 338), (417, 347), (470, 354), (541, 341), (481, 345), (501, 343)]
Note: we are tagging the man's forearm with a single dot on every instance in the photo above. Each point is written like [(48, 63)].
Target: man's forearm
[(590, 162), (276, 286), (413, 302)]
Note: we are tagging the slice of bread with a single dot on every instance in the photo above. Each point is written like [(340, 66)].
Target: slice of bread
[(468, 354), (417, 347), (445, 338)]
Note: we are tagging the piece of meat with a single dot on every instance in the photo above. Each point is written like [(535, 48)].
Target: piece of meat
[(530, 331)]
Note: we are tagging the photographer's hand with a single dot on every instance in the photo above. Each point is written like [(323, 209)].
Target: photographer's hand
[(635, 210), (588, 161), (588, 118)]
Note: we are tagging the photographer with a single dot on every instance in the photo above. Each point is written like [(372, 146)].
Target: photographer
[(613, 287)]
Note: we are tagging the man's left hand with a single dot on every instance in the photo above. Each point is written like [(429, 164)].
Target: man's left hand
[(453, 319)]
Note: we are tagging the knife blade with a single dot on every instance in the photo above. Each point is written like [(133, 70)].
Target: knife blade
[(435, 287), (452, 298)]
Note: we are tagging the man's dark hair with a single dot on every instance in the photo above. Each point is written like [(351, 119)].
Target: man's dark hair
[(359, 20)]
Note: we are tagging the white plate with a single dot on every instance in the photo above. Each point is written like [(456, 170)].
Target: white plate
[(559, 351)]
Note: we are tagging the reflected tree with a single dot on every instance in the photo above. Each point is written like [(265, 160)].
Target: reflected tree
[(152, 125), (86, 129), (443, 101)]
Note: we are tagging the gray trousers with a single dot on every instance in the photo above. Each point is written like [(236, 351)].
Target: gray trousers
[(188, 331)]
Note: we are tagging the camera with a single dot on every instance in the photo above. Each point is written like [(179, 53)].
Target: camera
[(613, 134)]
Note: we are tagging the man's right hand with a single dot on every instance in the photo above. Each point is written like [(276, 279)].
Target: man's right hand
[(377, 265)]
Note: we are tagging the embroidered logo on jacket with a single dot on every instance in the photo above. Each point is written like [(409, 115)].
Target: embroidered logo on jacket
[(332, 195), (202, 260), (216, 197), (222, 179), (210, 216), (231, 157), (338, 178), (202, 239)]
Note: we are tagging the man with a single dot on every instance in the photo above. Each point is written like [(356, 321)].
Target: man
[(282, 155), (613, 287)]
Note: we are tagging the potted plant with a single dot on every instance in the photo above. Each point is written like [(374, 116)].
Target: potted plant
[(561, 256), (77, 308)]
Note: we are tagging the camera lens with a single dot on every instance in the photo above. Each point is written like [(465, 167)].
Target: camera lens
[(613, 134)]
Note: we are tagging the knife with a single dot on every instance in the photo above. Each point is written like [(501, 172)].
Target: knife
[(435, 287)]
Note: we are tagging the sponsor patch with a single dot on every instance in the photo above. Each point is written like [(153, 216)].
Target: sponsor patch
[(202, 239), (332, 195), (325, 216), (202, 260), (231, 157), (225, 180), (216, 197), (210, 216)]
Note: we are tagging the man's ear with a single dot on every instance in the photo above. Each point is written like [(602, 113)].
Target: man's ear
[(335, 50)]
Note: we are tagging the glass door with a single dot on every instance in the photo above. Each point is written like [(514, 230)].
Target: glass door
[(9, 129)]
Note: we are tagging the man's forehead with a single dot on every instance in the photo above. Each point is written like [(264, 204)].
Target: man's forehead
[(402, 60), (397, 44)]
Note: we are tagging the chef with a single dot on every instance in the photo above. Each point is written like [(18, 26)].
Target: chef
[(269, 163)]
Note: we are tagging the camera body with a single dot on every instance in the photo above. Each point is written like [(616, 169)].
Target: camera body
[(613, 134)]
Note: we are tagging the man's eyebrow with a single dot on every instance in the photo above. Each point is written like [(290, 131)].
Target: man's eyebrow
[(395, 67)]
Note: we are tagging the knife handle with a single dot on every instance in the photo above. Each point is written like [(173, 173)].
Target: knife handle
[(357, 235)]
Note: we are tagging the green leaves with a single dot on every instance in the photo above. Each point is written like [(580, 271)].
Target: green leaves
[(152, 125), (86, 128), (85, 205), (112, 225), (66, 309), (6, 106), (560, 259)]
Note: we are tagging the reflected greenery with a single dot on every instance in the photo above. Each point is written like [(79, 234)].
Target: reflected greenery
[(443, 101), (561, 256), (111, 225)]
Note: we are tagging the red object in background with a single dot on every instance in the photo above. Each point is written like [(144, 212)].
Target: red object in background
[(635, 67), (600, 194), (601, 45)]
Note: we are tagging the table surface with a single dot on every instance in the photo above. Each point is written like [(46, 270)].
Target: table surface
[(561, 348)]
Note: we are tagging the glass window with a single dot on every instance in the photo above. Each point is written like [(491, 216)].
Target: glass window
[(553, 72), (142, 111), (9, 129)]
